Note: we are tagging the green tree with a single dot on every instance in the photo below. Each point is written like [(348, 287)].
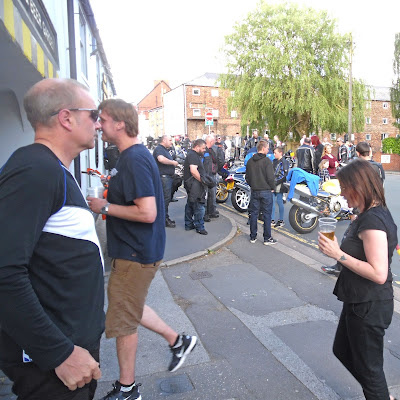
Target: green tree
[(395, 89), (289, 68)]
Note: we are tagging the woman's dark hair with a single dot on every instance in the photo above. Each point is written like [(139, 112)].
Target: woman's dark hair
[(361, 180)]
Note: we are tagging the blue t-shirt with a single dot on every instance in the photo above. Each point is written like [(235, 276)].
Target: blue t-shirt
[(135, 176)]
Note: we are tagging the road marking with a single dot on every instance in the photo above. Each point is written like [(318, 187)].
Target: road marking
[(280, 230)]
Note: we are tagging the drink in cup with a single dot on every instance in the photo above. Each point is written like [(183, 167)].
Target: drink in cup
[(96, 191), (327, 227)]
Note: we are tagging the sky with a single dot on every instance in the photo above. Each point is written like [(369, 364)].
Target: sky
[(179, 40)]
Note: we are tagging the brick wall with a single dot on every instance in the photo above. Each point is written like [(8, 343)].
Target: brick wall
[(209, 98), (154, 99), (394, 164), (376, 111)]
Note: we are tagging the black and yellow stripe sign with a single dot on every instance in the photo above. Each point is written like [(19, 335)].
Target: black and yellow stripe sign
[(21, 34)]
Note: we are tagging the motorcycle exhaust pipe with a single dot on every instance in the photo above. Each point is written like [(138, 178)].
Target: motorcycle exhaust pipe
[(242, 186), (306, 206)]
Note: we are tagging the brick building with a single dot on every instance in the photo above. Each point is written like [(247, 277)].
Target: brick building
[(378, 119), (151, 111), (185, 108)]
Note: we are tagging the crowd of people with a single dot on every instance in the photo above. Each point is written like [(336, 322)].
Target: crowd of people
[(51, 265)]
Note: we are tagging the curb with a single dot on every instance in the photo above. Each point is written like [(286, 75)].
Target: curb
[(204, 252)]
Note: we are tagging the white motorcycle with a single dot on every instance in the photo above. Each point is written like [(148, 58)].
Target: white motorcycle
[(305, 211)]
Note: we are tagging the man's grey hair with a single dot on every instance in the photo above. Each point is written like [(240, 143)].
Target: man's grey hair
[(49, 96)]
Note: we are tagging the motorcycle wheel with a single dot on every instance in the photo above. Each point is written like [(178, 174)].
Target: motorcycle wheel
[(222, 192), (240, 199), (299, 222)]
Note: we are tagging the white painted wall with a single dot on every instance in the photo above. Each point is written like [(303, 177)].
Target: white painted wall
[(174, 111)]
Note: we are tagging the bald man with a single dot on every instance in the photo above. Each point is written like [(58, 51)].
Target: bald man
[(51, 270)]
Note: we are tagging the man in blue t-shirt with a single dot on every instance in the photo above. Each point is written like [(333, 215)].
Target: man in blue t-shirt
[(136, 243)]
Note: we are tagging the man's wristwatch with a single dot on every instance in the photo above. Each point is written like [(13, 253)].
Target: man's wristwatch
[(104, 210)]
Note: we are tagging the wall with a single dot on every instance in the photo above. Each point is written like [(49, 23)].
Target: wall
[(224, 124), (394, 164), (174, 112), (376, 128)]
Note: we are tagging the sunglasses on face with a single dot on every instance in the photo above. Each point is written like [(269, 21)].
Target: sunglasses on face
[(94, 112)]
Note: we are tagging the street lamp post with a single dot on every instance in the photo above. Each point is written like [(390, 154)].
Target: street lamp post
[(350, 110)]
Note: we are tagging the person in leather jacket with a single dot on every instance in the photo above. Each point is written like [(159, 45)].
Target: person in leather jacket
[(306, 158)]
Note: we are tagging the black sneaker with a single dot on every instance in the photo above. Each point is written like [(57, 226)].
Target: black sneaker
[(202, 231), (270, 241), (215, 215), (118, 394), (280, 224), (169, 223), (183, 346), (273, 223), (206, 218), (330, 270)]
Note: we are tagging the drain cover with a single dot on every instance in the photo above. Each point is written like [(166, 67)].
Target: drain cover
[(200, 275), (175, 384)]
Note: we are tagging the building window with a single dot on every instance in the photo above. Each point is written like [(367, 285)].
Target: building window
[(385, 105), (368, 120), (384, 136), (214, 93), (233, 114), (196, 92), (232, 93), (368, 136), (83, 44), (368, 105), (197, 105), (398, 120), (196, 112), (215, 113), (385, 121)]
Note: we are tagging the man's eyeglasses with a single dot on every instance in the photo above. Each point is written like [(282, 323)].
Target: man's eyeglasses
[(94, 113)]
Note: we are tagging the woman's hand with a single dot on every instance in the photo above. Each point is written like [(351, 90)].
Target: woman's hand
[(329, 247)]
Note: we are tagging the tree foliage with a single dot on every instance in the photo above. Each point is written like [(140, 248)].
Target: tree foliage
[(288, 67), (395, 89), (391, 145)]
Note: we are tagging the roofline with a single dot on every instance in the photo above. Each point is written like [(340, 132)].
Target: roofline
[(159, 83)]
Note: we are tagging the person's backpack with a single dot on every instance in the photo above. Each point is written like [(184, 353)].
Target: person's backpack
[(377, 167)]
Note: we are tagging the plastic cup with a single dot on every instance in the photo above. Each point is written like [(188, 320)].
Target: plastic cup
[(327, 227), (96, 191)]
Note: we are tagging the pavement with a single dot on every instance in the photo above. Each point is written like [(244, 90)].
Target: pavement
[(265, 317)]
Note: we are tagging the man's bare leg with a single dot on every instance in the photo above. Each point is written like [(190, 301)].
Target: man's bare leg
[(152, 321), (126, 352)]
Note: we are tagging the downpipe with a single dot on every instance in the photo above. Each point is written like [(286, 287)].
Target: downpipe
[(306, 207)]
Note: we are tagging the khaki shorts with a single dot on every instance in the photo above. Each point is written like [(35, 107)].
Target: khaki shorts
[(127, 291)]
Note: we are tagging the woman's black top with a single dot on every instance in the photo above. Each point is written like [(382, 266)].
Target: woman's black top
[(353, 288)]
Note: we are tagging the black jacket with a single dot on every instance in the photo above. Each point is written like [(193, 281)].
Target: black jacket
[(306, 158), (281, 169), (260, 173)]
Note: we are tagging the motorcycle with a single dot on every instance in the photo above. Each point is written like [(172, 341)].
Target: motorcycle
[(225, 182), (289, 156), (307, 209), (240, 196)]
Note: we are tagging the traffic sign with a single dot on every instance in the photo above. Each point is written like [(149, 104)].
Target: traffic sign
[(209, 118)]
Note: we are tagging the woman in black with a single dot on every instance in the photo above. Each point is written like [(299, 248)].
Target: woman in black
[(365, 282)]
